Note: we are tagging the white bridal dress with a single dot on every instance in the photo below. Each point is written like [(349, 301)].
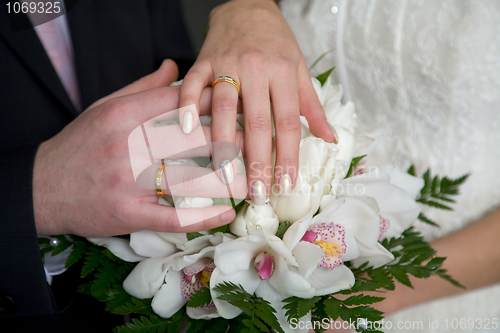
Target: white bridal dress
[(428, 72)]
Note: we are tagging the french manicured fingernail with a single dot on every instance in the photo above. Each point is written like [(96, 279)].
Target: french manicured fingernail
[(227, 172), (259, 192), (285, 184), (335, 135), (187, 123), (227, 216)]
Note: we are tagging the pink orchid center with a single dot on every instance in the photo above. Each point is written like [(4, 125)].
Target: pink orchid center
[(331, 238), (309, 236), (384, 226), (264, 264), (195, 277)]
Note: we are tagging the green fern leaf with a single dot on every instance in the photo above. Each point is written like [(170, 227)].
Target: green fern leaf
[(201, 297)]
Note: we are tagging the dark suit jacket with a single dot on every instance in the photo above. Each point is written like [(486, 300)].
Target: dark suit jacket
[(115, 43)]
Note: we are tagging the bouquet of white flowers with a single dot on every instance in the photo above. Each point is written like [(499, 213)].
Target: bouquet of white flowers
[(299, 261)]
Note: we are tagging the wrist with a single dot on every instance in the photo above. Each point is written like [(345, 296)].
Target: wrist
[(252, 4), (40, 209)]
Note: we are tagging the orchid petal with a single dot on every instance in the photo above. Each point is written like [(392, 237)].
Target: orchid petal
[(295, 233), (296, 204), (376, 256), (237, 255), (177, 238), (191, 259), (239, 225), (191, 202), (410, 184), (120, 247), (248, 279), (219, 238), (345, 143), (199, 313), (289, 282), (147, 277), (357, 218), (352, 250), (346, 116), (279, 246), (196, 244), (327, 281), (168, 300), (308, 256), (149, 244)]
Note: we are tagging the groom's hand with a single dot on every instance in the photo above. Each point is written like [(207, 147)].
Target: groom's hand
[(83, 182), (250, 41)]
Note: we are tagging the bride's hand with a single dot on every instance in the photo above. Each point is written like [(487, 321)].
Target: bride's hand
[(250, 41)]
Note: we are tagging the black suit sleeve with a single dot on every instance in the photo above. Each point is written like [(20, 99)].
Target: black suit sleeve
[(115, 43), (22, 277)]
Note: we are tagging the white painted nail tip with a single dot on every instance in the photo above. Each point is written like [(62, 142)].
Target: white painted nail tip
[(285, 185), (227, 172), (187, 123), (259, 192), (335, 135)]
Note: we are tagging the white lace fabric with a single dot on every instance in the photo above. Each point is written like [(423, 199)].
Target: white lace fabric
[(427, 72)]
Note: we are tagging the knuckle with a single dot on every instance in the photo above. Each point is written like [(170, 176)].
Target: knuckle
[(259, 123), (116, 106), (116, 180), (253, 59), (193, 76), (113, 109), (213, 13), (289, 123), (286, 66), (116, 148)]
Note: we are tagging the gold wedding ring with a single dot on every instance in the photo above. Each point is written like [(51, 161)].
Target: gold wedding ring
[(159, 176), (227, 79)]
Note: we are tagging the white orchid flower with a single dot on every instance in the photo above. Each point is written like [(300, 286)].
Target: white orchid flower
[(398, 209), (171, 281), (247, 261), (348, 230), (317, 157), (150, 244), (376, 176), (253, 218), (301, 201)]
